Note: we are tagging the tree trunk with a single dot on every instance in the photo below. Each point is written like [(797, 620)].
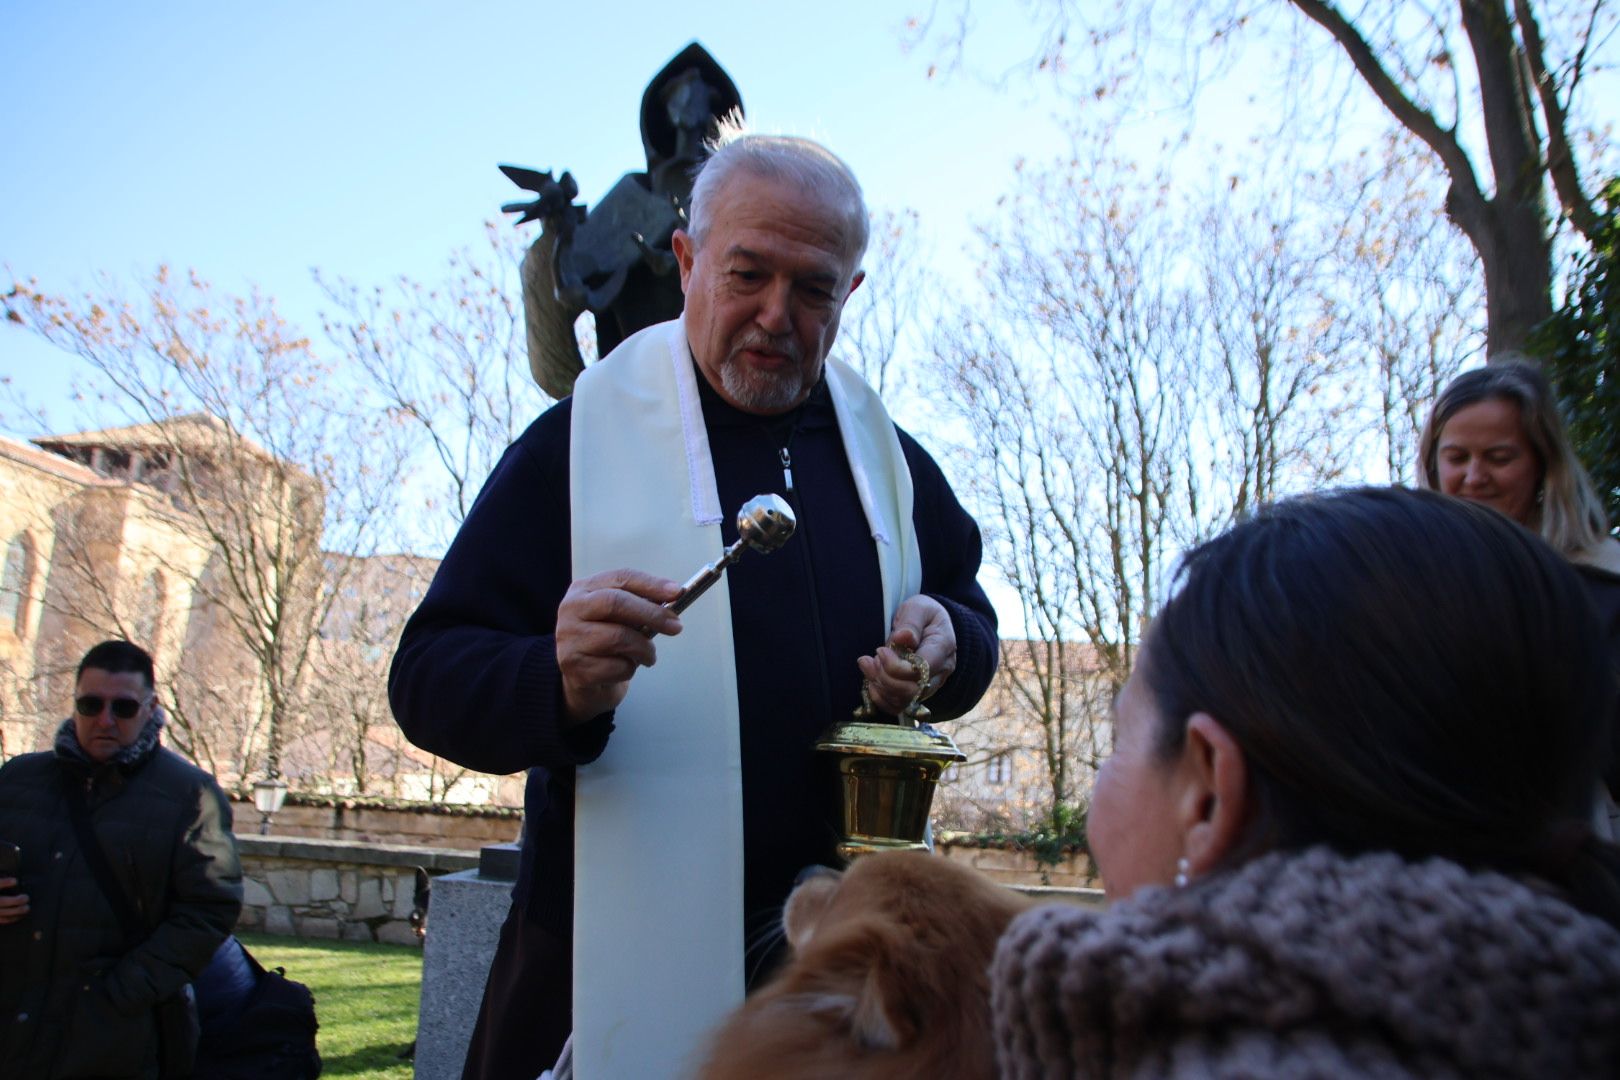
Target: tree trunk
[(1511, 231), (1517, 262)]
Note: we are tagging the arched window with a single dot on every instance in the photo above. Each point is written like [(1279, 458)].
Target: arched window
[(16, 579)]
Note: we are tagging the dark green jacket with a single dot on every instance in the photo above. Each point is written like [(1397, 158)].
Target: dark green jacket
[(75, 999)]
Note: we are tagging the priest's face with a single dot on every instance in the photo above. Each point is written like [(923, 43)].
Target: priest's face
[(764, 290)]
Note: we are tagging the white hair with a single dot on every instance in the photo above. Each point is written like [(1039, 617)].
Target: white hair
[(803, 163)]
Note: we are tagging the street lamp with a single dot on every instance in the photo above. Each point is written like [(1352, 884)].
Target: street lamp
[(268, 797)]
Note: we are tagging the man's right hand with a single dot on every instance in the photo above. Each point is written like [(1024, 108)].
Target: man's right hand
[(12, 907), (602, 640)]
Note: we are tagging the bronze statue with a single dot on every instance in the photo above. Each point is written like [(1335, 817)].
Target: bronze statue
[(616, 260)]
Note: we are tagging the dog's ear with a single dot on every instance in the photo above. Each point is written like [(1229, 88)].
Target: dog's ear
[(862, 1014), (807, 904), (864, 983), (878, 1021)]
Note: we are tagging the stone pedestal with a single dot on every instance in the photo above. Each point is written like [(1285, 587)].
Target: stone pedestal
[(464, 923)]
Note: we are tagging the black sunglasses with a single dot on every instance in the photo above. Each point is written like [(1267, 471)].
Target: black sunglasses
[(122, 707)]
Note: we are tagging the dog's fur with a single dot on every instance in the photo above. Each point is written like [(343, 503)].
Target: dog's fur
[(888, 978)]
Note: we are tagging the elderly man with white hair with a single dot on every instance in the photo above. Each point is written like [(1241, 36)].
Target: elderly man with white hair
[(670, 807)]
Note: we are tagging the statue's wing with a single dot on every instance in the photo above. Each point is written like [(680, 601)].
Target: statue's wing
[(554, 196), (527, 179)]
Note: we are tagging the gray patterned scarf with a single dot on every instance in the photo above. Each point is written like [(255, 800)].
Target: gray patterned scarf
[(67, 741)]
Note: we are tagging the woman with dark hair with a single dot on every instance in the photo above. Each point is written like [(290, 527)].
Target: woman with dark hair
[(1495, 437), (1345, 818)]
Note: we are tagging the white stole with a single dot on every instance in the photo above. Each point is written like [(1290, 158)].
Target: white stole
[(658, 860)]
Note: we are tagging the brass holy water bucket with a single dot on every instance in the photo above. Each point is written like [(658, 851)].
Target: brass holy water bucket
[(887, 774)]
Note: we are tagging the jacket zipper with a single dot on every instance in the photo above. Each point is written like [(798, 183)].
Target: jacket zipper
[(810, 578)]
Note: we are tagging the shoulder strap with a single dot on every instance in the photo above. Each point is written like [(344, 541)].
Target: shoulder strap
[(100, 869), (257, 968)]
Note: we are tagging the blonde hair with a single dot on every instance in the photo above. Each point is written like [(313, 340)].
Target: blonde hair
[(1569, 515)]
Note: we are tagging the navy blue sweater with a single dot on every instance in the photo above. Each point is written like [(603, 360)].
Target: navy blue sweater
[(475, 678)]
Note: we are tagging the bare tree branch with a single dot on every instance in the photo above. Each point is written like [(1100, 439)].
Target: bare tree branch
[(1465, 190), (1561, 164), (238, 438)]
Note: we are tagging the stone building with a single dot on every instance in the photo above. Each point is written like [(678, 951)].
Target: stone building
[(196, 543), (357, 749), (1038, 705), (95, 546)]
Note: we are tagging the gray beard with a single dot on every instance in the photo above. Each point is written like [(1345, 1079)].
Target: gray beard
[(760, 392)]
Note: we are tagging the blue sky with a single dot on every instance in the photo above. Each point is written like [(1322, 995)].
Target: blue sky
[(254, 142)]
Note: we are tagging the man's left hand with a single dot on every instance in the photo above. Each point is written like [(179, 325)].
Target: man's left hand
[(12, 906), (923, 626)]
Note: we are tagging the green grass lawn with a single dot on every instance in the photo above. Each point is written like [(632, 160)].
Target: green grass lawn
[(365, 999)]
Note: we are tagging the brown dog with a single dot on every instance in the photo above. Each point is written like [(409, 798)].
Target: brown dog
[(888, 978)]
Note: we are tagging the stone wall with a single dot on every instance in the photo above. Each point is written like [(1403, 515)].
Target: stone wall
[(1016, 867), (311, 888), (338, 868), (453, 827)]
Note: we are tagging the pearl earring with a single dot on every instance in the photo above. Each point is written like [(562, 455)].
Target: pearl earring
[(1182, 866)]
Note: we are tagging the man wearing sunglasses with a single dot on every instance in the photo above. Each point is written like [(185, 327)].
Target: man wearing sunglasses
[(110, 712), (128, 882)]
